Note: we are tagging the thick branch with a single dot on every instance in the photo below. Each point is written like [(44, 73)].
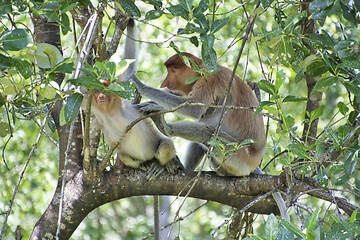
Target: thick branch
[(81, 199)]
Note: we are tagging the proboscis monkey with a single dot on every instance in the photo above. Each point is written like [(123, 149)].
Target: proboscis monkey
[(142, 143), (239, 125)]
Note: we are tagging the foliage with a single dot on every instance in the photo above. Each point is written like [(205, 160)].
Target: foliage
[(279, 56)]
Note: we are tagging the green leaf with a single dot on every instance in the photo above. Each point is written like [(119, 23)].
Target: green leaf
[(352, 87), (202, 21), (316, 68), (267, 87), (343, 109), (348, 50), (312, 223), (352, 117), (266, 3), (5, 7), (299, 74), (5, 61), (306, 169), (353, 215), (186, 4), (299, 150), (203, 6), (16, 40), (49, 92), (208, 53), (66, 66), (322, 40), (295, 20), (323, 83), (155, 3), (355, 63), (357, 5), (47, 55), (153, 14), (66, 7), (192, 79), (88, 82), (271, 227), (123, 89), (320, 8), (342, 180), (65, 24), (294, 99), (4, 129), (24, 67), (72, 107), (179, 11), (322, 178), (293, 228), (290, 121), (286, 52), (317, 113), (51, 6), (194, 40), (218, 24), (130, 7), (349, 14)]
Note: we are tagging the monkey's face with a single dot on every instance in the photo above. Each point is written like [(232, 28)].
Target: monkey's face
[(101, 98), (176, 77)]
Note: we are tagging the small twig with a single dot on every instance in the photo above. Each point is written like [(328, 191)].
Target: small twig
[(247, 206), (11, 133), (48, 135), (22, 174)]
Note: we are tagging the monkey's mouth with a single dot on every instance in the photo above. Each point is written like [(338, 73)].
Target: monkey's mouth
[(103, 101)]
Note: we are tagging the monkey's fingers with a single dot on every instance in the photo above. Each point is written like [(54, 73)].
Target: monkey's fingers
[(174, 165), (153, 169), (149, 107)]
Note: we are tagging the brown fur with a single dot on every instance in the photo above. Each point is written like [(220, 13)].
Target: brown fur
[(240, 124)]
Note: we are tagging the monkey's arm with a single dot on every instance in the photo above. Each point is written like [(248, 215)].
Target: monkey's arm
[(193, 131), (167, 100)]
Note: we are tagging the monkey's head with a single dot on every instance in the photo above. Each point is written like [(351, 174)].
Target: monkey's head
[(178, 73)]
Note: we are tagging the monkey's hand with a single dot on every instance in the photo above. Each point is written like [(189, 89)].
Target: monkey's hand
[(158, 119), (149, 107), (139, 85)]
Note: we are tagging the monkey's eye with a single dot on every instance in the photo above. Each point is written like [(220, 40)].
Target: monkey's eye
[(173, 69)]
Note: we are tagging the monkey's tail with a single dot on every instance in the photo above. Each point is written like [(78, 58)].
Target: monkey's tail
[(131, 47)]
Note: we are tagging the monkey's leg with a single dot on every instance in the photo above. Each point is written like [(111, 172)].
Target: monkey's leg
[(129, 161)]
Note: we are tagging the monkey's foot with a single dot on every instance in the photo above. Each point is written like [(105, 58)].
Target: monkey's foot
[(174, 165), (153, 169)]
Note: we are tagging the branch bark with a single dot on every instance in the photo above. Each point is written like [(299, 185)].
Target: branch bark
[(80, 199)]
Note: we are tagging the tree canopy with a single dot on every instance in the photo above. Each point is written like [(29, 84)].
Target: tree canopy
[(302, 58)]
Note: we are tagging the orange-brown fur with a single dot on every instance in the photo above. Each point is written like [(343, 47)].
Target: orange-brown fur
[(240, 124)]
